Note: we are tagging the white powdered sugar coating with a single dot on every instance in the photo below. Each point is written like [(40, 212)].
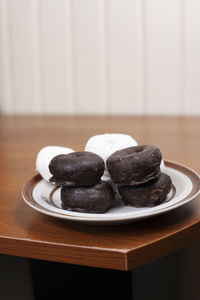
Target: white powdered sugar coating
[(162, 166), (44, 157), (106, 144)]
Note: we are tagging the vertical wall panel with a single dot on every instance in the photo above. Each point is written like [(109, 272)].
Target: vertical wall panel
[(103, 50), (140, 56), (123, 43), (53, 36), (163, 57), (100, 56), (6, 83), (192, 56), (36, 57), (21, 56), (70, 57), (88, 56)]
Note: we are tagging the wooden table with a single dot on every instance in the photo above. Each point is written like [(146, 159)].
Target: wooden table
[(27, 233)]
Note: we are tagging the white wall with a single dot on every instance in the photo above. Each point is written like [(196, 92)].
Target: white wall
[(100, 56)]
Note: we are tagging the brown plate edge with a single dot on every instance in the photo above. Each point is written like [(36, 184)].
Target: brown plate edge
[(194, 177)]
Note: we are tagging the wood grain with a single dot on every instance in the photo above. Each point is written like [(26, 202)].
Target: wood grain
[(27, 233)]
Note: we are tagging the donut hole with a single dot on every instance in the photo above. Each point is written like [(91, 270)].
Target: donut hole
[(139, 149), (78, 154)]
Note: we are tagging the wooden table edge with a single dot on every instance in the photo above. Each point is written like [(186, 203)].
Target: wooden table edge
[(123, 259), (65, 253), (162, 247)]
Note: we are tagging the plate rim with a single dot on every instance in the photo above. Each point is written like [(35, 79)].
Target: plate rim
[(190, 173)]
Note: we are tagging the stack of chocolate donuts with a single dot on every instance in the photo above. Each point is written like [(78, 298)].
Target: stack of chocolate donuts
[(136, 171), (79, 174), (87, 178)]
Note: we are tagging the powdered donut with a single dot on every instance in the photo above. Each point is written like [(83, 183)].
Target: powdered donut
[(44, 157), (106, 144), (76, 169), (134, 165), (148, 194)]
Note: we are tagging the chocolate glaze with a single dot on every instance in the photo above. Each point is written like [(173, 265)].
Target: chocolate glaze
[(148, 194), (76, 169), (134, 165), (91, 199)]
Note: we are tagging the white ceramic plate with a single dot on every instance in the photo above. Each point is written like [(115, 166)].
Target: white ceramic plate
[(45, 198)]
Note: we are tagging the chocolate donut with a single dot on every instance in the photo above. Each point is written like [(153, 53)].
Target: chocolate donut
[(76, 169), (134, 165), (148, 194), (91, 199), (106, 144)]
